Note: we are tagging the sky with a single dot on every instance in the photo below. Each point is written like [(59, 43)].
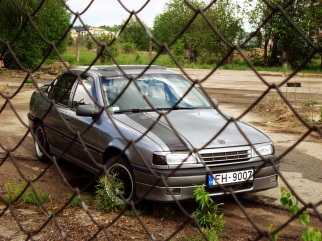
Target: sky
[(110, 12)]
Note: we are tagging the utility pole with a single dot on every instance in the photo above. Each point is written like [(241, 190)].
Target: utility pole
[(150, 51), (77, 48)]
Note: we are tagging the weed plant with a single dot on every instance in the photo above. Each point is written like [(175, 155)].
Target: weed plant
[(310, 104), (289, 201), (209, 214), (4, 87), (107, 190)]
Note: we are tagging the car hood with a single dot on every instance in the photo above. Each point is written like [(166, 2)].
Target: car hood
[(185, 129)]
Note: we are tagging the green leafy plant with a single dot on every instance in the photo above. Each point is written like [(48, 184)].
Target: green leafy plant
[(209, 214), (14, 188), (311, 234), (107, 198), (290, 201), (274, 235)]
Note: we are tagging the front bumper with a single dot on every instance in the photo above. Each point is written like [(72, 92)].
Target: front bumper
[(181, 187)]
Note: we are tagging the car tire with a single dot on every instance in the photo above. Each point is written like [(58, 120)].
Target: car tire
[(41, 143), (120, 167)]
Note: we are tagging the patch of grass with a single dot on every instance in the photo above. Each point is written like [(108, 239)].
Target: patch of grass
[(78, 200), (86, 57), (131, 213), (235, 67), (7, 73), (274, 107), (29, 82), (271, 69), (15, 188)]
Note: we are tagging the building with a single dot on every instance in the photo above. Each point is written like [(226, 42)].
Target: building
[(94, 31)]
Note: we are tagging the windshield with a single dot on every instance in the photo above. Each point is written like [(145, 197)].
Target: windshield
[(152, 92)]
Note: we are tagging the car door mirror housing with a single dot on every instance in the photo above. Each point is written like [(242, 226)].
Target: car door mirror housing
[(87, 110)]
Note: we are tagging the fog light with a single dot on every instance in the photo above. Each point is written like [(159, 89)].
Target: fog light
[(274, 178), (173, 191)]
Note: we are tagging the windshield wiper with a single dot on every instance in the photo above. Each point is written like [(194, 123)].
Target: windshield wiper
[(138, 110), (182, 108), (134, 110)]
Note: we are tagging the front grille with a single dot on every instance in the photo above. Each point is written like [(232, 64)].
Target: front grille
[(221, 156)]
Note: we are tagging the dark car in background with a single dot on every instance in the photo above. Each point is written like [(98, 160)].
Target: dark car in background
[(152, 128)]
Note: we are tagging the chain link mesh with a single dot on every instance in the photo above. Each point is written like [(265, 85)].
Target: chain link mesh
[(51, 221)]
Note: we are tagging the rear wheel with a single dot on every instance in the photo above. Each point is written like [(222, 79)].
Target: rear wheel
[(40, 142), (121, 169)]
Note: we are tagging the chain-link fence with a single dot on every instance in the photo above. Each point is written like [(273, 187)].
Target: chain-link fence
[(68, 204)]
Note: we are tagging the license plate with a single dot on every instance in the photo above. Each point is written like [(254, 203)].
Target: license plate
[(230, 177)]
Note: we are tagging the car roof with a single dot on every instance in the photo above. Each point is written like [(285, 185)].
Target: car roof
[(114, 70)]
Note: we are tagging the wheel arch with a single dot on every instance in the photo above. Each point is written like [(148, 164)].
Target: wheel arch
[(33, 121), (113, 151)]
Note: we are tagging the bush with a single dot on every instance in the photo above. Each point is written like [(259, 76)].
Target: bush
[(90, 44), (128, 48)]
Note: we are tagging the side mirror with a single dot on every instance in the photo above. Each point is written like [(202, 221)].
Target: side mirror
[(87, 110), (215, 103)]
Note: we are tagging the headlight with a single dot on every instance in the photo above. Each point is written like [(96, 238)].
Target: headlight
[(263, 150), (174, 158)]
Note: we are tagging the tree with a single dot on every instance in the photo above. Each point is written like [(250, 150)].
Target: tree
[(136, 34), (284, 40), (222, 17), (171, 22), (316, 24), (199, 35), (105, 40), (51, 20)]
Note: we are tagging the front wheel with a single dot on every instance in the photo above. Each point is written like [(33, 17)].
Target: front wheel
[(121, 169), (40, 143)]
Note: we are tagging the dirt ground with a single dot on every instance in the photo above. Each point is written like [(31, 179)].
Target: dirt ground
[(247, 220)]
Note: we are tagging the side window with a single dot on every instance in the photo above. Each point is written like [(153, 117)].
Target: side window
[(63, 88), (84, 93)]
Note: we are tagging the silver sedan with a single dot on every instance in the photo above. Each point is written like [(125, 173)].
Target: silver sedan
[(152, 128)]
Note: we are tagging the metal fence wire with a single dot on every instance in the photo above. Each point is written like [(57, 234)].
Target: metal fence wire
[(63, 221)]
